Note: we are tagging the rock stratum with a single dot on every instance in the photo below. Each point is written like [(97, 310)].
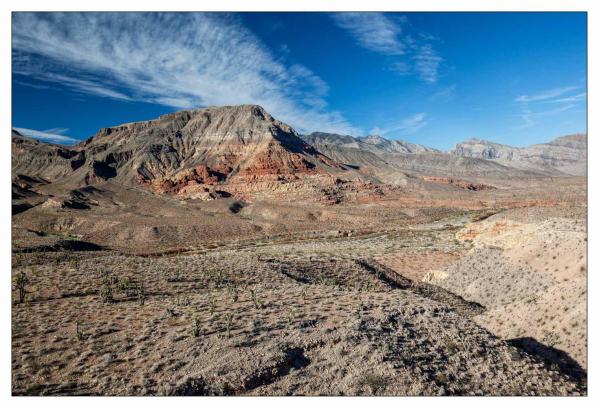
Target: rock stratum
[(566, 154), (243, 151)]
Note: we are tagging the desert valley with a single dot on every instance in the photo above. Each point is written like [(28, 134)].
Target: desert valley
[(219, 252)]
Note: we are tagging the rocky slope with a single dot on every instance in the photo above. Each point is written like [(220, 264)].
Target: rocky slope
[(372, 143), (566, 154), (529, 274), (390, 159), (186, 151), (243, 151), (39, 159), (204, 146)]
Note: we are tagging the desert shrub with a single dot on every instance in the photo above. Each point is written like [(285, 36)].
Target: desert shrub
[(229, 321), (124, 285), (212, 305), (234, 293), (141, 294), (106, 294), (107, 279), (257, 303), (375, 382), (550, 338), (441, 378), (452, 347), (175, 277), (21, 282), (215, 275), (195, 329), (170, 312), (79, 333), (184, 300)]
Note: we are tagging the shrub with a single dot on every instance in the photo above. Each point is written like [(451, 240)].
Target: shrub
[(195, 329), (141, 294), (229, 320), (255, 300), (106, 294), (170, 312), (234, 293), (79, 333), (374, 381), (212, 305), (21, 282)]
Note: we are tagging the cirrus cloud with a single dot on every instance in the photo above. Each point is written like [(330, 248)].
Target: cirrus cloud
[(385, 34), (181, 60)]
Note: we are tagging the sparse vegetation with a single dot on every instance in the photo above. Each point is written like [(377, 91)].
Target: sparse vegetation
[(106, 294), (195, 329), (21, 282)]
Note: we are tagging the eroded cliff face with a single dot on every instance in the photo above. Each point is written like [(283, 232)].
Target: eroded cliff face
[(566, 154), (181, 152), (38, 159)]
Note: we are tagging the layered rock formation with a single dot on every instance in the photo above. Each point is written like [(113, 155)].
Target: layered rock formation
[(242, 150), (180, 151), (39, 159), (566, 154)]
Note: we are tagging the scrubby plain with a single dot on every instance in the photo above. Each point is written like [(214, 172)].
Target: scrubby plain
[(421, 302), (215, 252)]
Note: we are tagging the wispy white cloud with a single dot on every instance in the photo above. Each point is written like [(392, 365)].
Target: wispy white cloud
[(180, 60), (31, 85), (385, 34), (57, 131), (569, 99), (374, 31), (427, 63), (531, 106), (406, 126), (48, 135), (547, 94)]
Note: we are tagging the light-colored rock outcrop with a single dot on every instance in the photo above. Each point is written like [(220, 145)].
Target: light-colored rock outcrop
[(566, 154)]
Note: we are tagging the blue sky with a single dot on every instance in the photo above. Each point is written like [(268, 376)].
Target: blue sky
[(430, 78)]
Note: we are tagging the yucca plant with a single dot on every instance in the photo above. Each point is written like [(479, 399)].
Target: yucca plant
[(234, 293), (79, 333), (106, 294), (21, 282), (195, 329), (229, 320)]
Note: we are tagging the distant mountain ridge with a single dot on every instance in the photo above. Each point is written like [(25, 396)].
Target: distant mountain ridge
[(373, 143), (566, 154), (244, 148)]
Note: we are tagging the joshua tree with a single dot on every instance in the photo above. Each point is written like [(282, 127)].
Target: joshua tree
[(234, 293), (257, 303), (106, 294), (229, 320), (195, 330), (212, 305), (141, 294), (21, 281), (79, 333)]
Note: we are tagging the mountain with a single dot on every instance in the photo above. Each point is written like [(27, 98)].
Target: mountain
[(41, 159), (372, 143), (566, 154), (389, 159), (184, 149), (242, 150)]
